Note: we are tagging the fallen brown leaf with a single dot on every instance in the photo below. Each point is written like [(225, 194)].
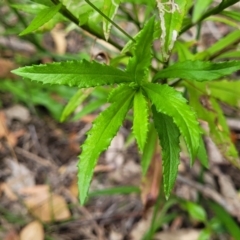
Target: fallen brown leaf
[(183, 234), (44, 205), (33, 231)]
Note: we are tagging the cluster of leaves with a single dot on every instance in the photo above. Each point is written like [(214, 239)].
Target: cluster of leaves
[(150, 93)]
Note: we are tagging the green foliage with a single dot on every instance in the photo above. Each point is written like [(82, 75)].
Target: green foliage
[(110, 8), (74, 102), (208, 109), (149, 148), (139, 64), (80, 74), (198, 70), (99, 138), (199, 8), (140, 119), (43, 17), (170, 102), (146, 82), (169, 139), (171, 14), (226, 220)]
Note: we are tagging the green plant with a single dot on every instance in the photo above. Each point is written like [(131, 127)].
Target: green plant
[(152, 92)]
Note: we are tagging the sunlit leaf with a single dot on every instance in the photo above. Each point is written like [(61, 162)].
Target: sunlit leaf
[(149, 148), (140, 119), (170, 102), (168, 134), (43, 17), (81, 74), (139, 64), (98, 139), (74, 102), (198, 70)]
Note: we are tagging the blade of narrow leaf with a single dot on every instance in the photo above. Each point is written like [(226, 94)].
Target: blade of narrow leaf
[(232, 14), (44, 16), (138, 65), (149, 148), (82, 74), (110, 8), (98, 139), (89, 108), (216, 48), (209, 110), (226, 91), (140, 119), (170, 102), (198, 70), (74, 102), (32, 9), (168, 134), (202, 154), (171, 14), (235, 54), (183, 51), (199, 8), (232, 227)]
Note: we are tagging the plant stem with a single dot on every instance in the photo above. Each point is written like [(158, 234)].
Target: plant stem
[(110, 20)]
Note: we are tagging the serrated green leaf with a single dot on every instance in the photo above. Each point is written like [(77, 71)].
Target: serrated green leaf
[(82, 74), (130, 44), (118, 92), (208, 110), (200, 7), (74, 102), (226, 91), (170, 102), (168, 134), (43, 16), (140, 119), (99, 138), (149, 148), (171, 14), (202, 155), (198, 70), (110, 8), (139, 64)]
